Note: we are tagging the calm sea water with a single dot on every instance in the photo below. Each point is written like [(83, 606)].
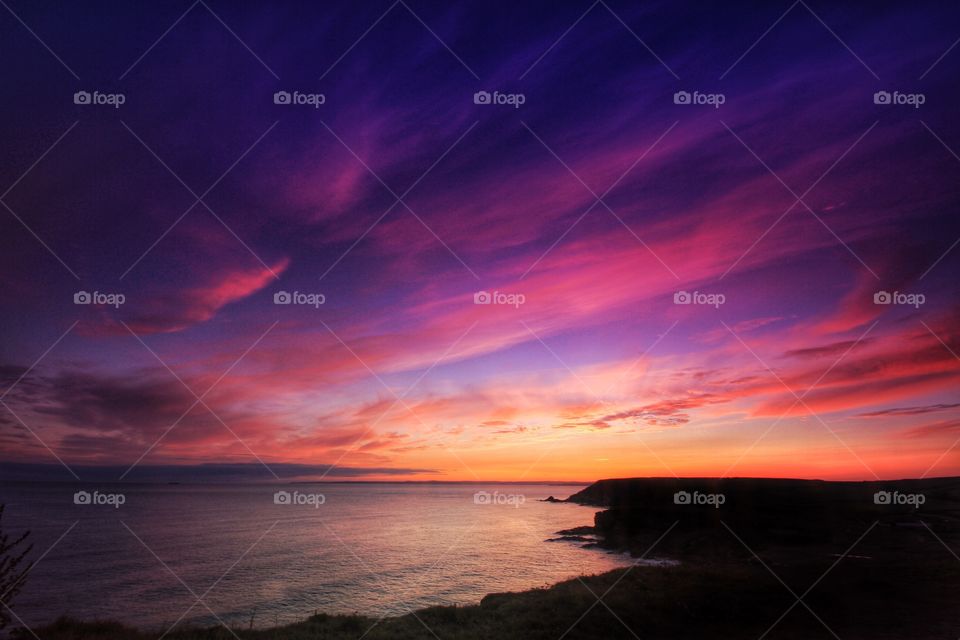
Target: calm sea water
[(376, 549)]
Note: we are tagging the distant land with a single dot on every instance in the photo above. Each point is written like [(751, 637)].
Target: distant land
[(793, 559)]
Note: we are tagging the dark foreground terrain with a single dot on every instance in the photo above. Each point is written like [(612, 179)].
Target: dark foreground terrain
[(770, 558)]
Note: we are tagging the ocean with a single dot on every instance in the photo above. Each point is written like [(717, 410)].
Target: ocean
[(150, 555)]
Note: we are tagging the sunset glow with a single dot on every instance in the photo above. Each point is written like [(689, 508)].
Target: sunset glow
[(587, 213)]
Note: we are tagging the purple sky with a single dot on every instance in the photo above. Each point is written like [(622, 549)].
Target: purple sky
[(588, 208)]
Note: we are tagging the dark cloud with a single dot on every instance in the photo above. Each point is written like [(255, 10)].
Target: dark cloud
[(910, 411), (210, 472)]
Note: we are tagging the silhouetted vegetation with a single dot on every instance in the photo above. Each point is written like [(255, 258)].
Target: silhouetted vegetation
[(13, 575), (786, 560)]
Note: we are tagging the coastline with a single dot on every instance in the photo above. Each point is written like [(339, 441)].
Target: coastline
[(735, 561)]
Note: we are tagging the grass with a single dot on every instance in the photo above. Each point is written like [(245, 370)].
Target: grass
[(858, 599)]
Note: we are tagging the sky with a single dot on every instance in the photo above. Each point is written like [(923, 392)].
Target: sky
[(516, 241)]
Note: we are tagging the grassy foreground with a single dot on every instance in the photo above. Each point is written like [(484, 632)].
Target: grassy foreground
[(727, 600)]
